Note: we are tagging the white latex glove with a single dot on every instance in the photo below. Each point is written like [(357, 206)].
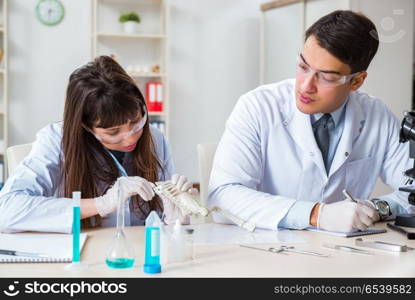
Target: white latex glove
[(370, 204), (183, 184), (123, 187), (345, 216), (171, 211)]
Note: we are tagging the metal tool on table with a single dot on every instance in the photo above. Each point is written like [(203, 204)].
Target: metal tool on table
[(382, 245), (347, 249), (284, 248)]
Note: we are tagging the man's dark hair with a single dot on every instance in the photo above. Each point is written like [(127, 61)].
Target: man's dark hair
[(351, 37)]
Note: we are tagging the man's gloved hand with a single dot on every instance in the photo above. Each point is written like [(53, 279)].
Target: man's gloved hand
[(370, 204), (183, 184), (345, 216), (123, 187), (171, 211)]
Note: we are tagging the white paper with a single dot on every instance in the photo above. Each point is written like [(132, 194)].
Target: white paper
[(55, 246)]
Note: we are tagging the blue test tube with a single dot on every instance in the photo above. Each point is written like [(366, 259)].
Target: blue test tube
[(76, 226), (152, 244)]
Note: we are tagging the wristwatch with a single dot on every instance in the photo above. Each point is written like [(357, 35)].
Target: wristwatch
[(382, 207)]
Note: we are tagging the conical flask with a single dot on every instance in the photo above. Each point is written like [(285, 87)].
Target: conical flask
[(120, 254)]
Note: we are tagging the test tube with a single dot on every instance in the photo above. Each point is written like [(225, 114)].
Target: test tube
[(76, 235), (152, 244), (76, 227)]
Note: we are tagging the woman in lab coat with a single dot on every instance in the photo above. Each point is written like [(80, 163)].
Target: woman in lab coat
[(269, 168), (105, 146)]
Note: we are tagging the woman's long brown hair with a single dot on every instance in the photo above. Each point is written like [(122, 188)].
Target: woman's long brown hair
[(101, 94)]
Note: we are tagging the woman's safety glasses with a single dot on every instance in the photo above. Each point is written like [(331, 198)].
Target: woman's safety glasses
[(118, 138), (324, 78)]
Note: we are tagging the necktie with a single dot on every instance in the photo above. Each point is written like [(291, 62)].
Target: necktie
[(321, 134)]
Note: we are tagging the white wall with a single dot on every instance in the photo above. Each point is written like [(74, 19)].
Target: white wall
[(214, 49), (213, 60), (40, 61), (390, 72)]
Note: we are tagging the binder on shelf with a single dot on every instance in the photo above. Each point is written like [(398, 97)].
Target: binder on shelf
[(154, 96), (160, 125)]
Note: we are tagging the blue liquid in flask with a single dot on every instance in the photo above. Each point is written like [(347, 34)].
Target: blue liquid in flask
[(120, 263)]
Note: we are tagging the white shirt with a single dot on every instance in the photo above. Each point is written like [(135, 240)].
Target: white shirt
[(268, 159)]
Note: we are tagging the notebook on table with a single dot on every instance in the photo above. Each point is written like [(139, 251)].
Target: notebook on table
[(350, 234), (57, 247)]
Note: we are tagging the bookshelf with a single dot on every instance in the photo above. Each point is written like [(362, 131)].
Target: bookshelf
[(143, 53)]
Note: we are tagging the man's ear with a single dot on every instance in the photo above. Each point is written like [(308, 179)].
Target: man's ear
[(358, 80)]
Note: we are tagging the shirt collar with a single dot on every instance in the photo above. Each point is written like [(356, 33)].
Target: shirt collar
[(336, 115)]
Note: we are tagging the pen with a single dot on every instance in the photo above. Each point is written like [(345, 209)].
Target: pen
[(409, 235), (19, 253), (348, 196)]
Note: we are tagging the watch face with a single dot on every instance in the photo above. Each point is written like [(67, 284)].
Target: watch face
[(50, 12), (383, 208)]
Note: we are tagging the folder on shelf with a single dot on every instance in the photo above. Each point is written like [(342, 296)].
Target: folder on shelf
[(154, 96), (159, 125)]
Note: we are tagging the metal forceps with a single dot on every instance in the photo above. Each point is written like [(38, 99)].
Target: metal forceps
[(292, 249)]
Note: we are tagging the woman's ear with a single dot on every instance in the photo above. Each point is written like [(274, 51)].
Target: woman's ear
[(358, 80)]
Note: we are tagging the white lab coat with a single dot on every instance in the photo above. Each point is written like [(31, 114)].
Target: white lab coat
[(268, 158), (32, 198)]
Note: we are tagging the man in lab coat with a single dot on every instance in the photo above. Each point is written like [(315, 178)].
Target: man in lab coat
[(290, 148)]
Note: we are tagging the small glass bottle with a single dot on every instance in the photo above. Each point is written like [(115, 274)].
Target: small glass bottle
[(120, 254), (177, 244), (189, 249)]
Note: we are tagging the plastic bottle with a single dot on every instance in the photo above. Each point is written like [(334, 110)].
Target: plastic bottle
[(176, 244), (152, 244)]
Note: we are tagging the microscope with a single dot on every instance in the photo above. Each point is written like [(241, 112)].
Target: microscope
[(407, 133)]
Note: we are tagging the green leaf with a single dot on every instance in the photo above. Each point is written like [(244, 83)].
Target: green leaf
[(131, 16)]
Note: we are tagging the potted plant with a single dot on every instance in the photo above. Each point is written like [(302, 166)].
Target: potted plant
[(130, 21)]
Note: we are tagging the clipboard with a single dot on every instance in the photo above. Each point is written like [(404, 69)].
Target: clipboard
[(349, 234)]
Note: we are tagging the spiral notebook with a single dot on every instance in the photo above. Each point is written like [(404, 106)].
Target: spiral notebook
[(58, 247)]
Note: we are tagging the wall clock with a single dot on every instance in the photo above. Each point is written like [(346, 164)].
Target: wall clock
[(50, 12)]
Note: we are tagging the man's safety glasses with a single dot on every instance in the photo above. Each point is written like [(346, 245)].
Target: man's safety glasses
[(324, 79)]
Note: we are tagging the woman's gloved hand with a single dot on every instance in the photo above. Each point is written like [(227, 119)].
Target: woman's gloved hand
[(345, 216), (123, 187), (171, 211)]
